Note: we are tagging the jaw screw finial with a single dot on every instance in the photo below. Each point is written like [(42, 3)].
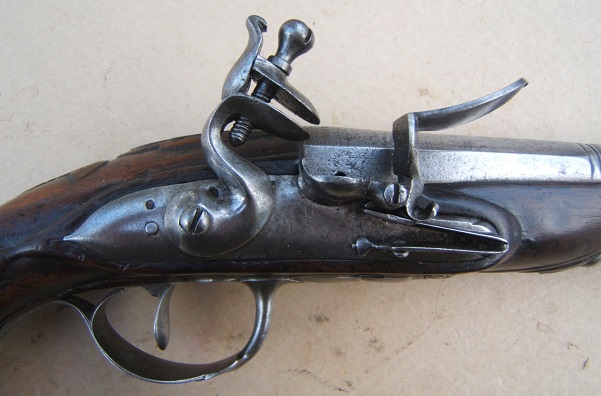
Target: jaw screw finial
[(294, 39)]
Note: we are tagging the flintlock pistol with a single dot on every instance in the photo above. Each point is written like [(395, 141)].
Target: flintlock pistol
[(259, 199)]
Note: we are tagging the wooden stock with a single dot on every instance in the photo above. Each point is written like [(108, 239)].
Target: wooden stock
[(35, 266), (558, 226)]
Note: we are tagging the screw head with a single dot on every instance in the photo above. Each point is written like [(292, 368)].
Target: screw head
[(194, 220), (395, 194), (151, 228)]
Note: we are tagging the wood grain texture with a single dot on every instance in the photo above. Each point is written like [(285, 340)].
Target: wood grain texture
[(35, 265), (82, 82), (546, 229)]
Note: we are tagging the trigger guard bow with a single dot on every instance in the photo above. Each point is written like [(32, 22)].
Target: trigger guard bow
[(145, 366)]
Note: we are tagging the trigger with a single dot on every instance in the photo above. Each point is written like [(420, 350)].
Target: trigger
[(162, 327)]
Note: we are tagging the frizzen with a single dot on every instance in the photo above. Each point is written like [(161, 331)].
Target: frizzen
[(261, 200)]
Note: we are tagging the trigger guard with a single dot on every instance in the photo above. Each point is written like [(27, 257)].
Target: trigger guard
[(145, 366)]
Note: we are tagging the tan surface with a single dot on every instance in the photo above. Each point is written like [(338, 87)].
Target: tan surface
[(80, 82)]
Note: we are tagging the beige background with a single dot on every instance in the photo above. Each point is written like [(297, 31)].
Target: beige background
[(85, 81)]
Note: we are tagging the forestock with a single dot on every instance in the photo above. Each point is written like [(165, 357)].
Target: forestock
[(231, 206)]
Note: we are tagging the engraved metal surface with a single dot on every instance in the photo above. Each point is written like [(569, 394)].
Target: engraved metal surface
[(399, 208), (118, 228)]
